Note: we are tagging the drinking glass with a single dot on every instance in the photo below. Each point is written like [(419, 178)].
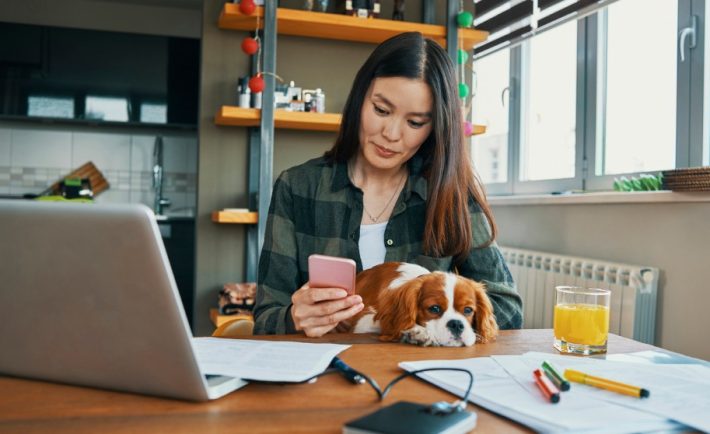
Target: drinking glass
[(581, 322)]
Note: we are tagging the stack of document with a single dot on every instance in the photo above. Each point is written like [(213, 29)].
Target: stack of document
[(263, 360), (505, 385)]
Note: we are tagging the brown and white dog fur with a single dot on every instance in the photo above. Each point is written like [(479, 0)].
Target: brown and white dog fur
[(407, 303)]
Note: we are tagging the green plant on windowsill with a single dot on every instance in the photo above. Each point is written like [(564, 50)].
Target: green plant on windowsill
[(644, 182)]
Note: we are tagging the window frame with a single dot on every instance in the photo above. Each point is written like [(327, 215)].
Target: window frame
[(692, 134)]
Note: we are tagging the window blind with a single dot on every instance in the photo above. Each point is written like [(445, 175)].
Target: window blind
[(510, 22)]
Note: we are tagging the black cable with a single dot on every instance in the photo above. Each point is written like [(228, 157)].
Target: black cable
[(382, 393)]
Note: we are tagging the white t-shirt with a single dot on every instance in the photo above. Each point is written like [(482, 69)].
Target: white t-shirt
[(372, 244)]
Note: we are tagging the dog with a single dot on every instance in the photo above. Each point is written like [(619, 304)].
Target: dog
[(407, 303)]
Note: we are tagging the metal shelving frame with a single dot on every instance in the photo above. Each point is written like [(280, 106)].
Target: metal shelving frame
[(261, 140)]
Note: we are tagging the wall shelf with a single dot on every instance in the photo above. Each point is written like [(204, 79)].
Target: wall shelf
[(235, 217), (341, 27), (247, 117), (243, 117)]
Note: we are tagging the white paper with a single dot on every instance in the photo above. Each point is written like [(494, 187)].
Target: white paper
[(263, 360), (504, 384), (678, 391)]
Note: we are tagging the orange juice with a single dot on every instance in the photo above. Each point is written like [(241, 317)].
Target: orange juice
[(584, 324)]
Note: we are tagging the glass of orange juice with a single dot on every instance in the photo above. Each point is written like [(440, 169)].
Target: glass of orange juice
[(581, 321)]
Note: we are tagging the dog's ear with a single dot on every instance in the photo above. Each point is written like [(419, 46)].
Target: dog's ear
[(484, 321), (397, 310)]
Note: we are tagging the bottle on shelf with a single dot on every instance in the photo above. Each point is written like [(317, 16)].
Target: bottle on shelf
[(320, 101), (308, 102), (256, 100), (245, 97)]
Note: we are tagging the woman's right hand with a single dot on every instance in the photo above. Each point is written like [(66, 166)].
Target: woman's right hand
[(317, 311)]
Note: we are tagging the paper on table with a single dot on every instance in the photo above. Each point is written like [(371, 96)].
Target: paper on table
[(263, 360), (678, 391), (518, 399)]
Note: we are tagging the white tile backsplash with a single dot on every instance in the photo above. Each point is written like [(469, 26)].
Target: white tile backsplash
[(192, 156), (20, 189), (5, 146), (114, 196), (175, 154), (40, 148), (106, 151), (142, 153), (142, 196), (38, 157)]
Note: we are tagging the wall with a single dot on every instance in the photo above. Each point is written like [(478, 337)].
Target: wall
[(104, 15), (34, 156), (675, 237)]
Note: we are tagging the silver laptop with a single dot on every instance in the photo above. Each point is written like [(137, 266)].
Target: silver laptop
[(87, 297)]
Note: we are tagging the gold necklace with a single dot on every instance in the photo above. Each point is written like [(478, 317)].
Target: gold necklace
[(396, 190)]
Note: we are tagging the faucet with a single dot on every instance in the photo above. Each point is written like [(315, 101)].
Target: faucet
[(159, 202)]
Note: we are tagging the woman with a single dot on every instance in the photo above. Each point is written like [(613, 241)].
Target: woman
[(397, 186)]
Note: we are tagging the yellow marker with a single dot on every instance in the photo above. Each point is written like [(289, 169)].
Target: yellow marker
[(603, 383)]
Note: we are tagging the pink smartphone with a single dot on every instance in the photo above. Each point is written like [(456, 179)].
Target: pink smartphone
[(331, 272)]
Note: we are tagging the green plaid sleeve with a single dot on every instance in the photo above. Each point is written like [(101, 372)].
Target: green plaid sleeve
[(487, 265), (278, 274)]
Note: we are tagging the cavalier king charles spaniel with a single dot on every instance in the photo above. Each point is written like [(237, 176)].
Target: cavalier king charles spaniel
[(407, 303)]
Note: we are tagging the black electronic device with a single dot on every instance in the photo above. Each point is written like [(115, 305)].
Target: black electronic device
[(411, 418)]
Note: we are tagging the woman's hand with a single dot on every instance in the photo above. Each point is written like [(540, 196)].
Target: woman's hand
[(317, 311)]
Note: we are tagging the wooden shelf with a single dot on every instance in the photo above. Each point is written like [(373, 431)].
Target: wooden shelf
[(235, 217), (340, 27), (241, 117)]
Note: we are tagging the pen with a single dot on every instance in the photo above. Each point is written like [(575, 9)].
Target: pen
[(555, 376), (548, 389), (603, 383), (352, 375)]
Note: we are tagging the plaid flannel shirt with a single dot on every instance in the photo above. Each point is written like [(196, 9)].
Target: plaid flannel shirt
[(315, 208)]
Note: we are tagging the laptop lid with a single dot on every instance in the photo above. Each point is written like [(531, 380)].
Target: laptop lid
[(87, 297)]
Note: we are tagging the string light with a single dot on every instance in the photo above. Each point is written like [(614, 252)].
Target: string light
[(252, 46), (464, 19)]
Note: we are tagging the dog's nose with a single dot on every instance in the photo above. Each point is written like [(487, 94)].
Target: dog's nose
[(456, 327)]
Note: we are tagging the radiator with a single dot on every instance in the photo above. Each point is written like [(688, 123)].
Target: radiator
[(633, 289)]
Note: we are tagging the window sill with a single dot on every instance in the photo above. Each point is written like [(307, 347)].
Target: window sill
[(600, 198)]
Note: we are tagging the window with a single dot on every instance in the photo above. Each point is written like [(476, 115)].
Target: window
[(637, 87), (49, 106), (592, 99), (106, 108), (154, 113), (490, 108), (549, 111)]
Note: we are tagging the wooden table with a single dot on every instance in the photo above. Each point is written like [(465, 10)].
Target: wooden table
[(323, 407)]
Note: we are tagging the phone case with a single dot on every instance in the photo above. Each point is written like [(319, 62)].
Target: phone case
[(331, 272)]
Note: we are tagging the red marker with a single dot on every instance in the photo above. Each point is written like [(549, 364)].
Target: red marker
[(546, 386)]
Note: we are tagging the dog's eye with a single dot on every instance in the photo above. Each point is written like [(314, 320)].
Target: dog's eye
[(467, 310), (435, 309)]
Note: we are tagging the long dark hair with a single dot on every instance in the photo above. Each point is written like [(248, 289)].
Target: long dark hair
[(447, 162)]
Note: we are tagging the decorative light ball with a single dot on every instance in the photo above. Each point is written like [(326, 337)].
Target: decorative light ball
[(462, 56), (468, 128), (247, 7), (250, 45), (256, 84), (464, 19), (463, 90)]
